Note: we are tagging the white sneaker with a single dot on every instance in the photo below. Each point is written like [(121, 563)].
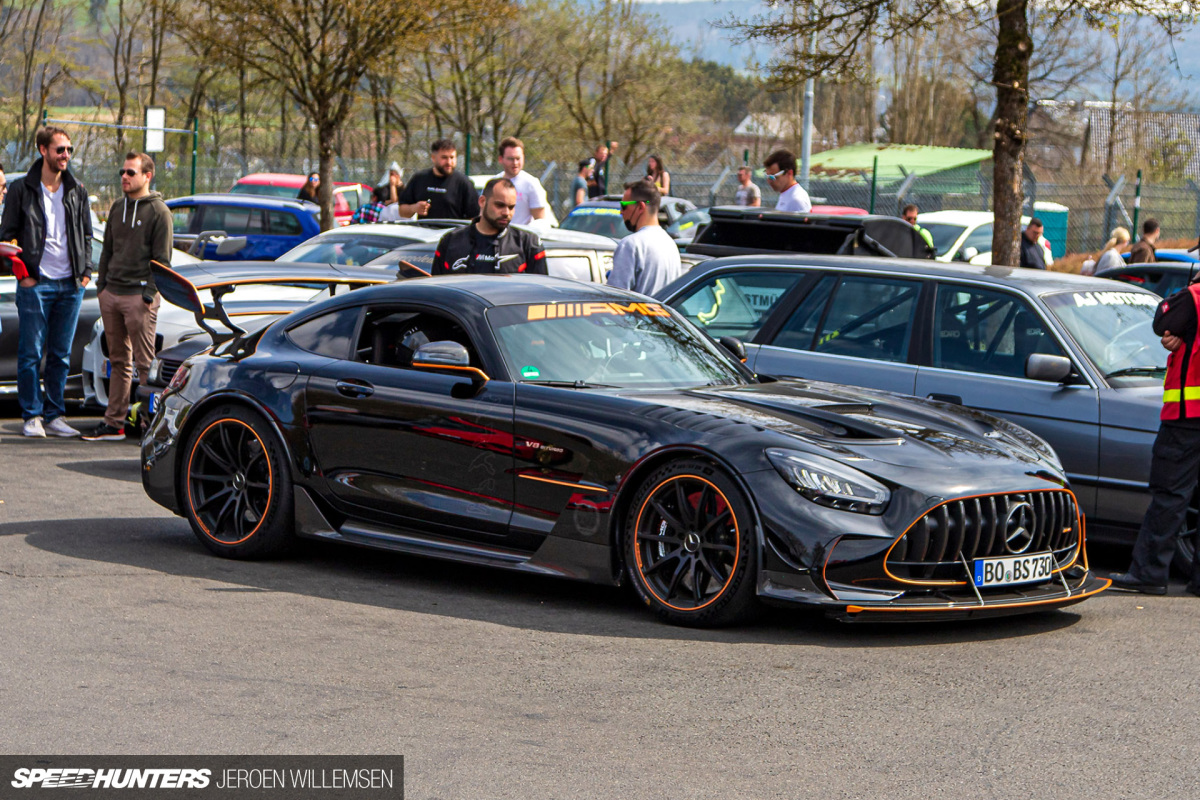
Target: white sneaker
[(33, 428), (59, 427)]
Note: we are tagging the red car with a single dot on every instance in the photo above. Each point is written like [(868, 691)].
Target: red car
[(347, 197)]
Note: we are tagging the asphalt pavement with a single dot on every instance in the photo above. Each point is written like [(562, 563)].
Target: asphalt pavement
[(120, 634)]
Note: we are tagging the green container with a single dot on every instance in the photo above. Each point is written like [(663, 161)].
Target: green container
[(1054, 218)]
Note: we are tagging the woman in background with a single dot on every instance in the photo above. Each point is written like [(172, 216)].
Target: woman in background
[(1110, 256), (657, 174), (309, 190)]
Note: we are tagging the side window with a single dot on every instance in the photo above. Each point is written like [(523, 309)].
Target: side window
[(980, 239), (390, 336), (284, 224), (327, 335), (980, 330), (869, 318), (181, 218), (736, 304), (575, 267), (350, 197), (801, 328), (234, 220)]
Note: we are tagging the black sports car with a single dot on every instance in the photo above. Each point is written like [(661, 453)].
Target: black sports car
[(569, 429)]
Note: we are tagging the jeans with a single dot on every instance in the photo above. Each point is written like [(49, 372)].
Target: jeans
[(47, 314)]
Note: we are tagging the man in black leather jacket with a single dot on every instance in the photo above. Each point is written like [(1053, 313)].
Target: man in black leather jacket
[(488, 245), (48, 215)]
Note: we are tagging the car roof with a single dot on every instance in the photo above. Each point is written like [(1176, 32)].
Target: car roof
[(1033, 281), (967, 218), (215, 199), (383, 229), (497, 290), (610, 200), (283, 179)]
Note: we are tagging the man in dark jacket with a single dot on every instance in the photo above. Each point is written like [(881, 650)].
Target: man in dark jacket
[(440, 192), (139, 231), (1033, 255), (48, 215), (1143, 252), (488, 245)]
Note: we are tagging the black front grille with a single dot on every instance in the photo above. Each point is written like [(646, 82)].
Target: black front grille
[(935, 547), (167, 369)]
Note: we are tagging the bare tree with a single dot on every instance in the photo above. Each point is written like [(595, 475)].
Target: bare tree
[(35, 60), (843, 27)]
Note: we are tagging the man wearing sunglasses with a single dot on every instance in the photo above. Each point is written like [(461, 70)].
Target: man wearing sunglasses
[(648, 259), (781, 176), (48, 215), (139, 231)]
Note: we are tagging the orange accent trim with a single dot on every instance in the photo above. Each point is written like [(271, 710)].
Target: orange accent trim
[(737, 545), (426, 365), (583, 486), (270, 482), (888, 572), (975, 605)]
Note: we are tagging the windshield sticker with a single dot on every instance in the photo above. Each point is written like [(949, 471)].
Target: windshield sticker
[(560, 310), (602, 211), (1114, 299), (530, 373)]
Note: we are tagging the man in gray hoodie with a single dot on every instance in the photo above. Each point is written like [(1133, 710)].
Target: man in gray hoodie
[(139, 231)]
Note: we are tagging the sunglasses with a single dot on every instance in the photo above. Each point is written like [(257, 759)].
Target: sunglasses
[(128, 172), (628, 203), (68, 149), (773, 175)]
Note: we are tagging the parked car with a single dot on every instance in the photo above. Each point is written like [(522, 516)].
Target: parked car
[(733, 230), (1165, 277), (272, 226), (967, 235), (602, 215), (567, 429), (347, 196), (360, 244), (590, 262), (1071, 358), (89, 313), (252, 293)]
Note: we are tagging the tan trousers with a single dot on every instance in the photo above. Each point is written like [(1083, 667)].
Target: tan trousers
[(129, 329)]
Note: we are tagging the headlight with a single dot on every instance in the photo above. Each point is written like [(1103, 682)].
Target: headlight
[(829, 483), (155, 369)]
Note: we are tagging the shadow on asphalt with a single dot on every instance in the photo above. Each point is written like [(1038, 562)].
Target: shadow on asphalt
[(428, 586), (117, 469)]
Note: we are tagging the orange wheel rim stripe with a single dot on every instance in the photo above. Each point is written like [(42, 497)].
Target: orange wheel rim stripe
[(270, 481), (737, 542)]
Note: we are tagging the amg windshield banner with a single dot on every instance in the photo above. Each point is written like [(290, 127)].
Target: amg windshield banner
[(234, 777)]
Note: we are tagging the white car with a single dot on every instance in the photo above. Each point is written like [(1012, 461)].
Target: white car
[(354, 245), (967, 235)]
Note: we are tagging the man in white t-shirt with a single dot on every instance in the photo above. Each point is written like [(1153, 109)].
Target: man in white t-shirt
[(531, 197), (781, 176), (648, 259)]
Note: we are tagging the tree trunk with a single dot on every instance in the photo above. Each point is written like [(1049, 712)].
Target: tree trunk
[(326, 136), (1013, 50)]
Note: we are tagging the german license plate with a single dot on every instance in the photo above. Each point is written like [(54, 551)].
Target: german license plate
[(1014, 569), (152, 405)]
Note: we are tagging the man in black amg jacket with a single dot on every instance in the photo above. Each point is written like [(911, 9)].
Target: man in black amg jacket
[(488, 245)]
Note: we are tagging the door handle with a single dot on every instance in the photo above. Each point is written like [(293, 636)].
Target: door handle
[(355, 388), (945, 398)]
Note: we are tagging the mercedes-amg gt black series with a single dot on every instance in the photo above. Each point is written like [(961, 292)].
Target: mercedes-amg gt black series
[(568, 429)]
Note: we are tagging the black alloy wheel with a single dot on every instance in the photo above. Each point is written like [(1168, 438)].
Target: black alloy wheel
[(236, 491), (1185, 545), (690, 546)]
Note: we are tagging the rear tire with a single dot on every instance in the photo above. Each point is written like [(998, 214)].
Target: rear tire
[(235, 487), (690, 546)]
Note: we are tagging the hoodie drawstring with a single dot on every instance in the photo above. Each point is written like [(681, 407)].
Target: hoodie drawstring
[(125, 207)]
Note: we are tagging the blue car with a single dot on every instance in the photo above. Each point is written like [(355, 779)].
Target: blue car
[(271, 225)]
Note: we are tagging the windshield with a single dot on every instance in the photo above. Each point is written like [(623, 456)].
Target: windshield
[(264, 190), (944, 236), (1115, 330), (346, 249), (603, 220), (607, 344)]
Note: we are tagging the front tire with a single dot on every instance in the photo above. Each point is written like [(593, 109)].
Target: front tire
[(690, 546), (235, 487)]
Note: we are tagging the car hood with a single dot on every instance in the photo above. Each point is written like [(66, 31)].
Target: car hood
[(895, 432)]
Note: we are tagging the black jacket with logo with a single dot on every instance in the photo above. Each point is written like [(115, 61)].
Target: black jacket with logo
[(25, 220), (464, 251)]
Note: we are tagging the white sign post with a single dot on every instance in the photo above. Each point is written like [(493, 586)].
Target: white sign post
[(156, 122)]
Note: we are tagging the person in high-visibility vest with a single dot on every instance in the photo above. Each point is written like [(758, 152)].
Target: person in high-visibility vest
[(910, 216), (1175, 462)]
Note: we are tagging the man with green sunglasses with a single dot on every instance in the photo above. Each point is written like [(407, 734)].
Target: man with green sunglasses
[(648, 259)]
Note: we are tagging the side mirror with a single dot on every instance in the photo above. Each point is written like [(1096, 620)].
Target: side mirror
[(230, 245), (734, 346), (1042, 367), (966, 254), (449, 357)]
